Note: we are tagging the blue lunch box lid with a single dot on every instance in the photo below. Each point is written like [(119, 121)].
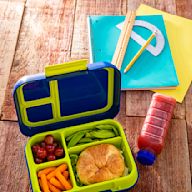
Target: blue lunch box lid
[(67, 94)]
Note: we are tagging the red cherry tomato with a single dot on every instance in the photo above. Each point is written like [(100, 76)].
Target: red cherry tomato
[(51, 157), (42, 153), (49, 139), (43, 144), (55, 144), (35, 148), (47, 150), (50, 148), (38, 161), (59, 152)]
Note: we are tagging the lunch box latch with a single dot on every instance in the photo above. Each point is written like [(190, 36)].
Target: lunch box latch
[(64, 68)]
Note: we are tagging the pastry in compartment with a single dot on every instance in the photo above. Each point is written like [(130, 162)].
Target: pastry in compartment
[(100, 163)]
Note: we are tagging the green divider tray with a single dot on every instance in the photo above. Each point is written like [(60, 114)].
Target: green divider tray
[(121, 183)]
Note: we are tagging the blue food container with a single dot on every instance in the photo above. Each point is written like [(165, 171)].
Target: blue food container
[(68, 98)]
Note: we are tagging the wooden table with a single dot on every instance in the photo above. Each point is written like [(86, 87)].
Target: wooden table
[(36, 33)]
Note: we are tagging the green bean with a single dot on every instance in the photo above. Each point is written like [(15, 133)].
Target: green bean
[(102, 134), (75, 139), (74, 159), (68, 138), (85, 140), (108, 127), (88, 135), (115, 131), (104, 126)]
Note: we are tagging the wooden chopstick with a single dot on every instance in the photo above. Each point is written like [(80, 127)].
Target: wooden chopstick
[(124, 39)]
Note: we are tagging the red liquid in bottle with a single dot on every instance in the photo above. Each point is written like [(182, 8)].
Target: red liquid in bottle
[(154, 130)]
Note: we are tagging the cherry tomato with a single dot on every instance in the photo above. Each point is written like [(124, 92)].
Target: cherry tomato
[(49, 139), (43, 144), (55, 144), (35, 148), (59, 152), (47, 150), (51, 157), (42, 153), (38, 161), (50, 148)]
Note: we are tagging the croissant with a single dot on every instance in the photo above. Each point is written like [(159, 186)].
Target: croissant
[(100, 163)]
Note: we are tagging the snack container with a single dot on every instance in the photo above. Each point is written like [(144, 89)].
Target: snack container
[(68, 98)]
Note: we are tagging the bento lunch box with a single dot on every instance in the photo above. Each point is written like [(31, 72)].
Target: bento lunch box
[(67, 98)]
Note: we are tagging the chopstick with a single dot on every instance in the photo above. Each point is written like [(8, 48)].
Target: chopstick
[(124, 39)]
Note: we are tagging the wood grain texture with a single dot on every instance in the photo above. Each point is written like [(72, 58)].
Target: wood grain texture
[(183, 8), (171, 170), (137, 103), (10, 20), (189, 121), (107, 7), (14, 1), (168, 6), (13, 170), (80, 42), (121, 116), (45, 38), (84, 8)]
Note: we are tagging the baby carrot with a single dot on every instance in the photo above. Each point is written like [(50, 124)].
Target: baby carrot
[(63, 181), (66, 174), (53, 188), (44, 183), (69, 181), (40, 184), (56, 183), (46, 171), (61, 168)]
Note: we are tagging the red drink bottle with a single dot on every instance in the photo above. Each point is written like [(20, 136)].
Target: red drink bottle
[(152, 137)]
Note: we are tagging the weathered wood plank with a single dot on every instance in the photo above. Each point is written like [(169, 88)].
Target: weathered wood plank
[(137, 103), (124, 7), (134, 4), (13, 170), (84, 8), (10, 19), (183, 8), (10, 1), (189, 122), (45, 38), (168, 6), (121, 116), (80, 35), (171, 171), (107, 7)]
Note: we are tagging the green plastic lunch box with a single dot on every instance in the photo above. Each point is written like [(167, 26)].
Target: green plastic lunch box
[(68, 98)]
